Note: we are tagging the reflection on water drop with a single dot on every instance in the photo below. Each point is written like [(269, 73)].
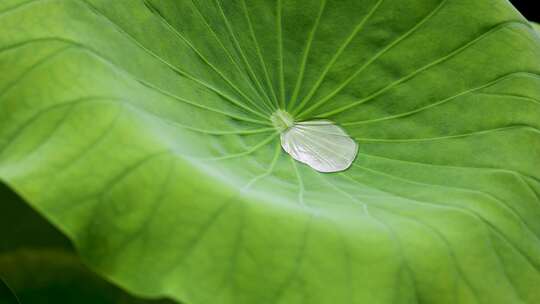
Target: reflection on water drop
[(320, 144)]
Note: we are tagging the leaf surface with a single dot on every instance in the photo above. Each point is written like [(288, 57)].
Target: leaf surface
[(143, 130)]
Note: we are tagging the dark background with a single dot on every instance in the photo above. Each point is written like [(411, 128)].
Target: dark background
[(526, 7), (38, 264)]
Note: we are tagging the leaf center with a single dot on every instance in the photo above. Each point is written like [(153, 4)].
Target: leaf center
[(282, 120)]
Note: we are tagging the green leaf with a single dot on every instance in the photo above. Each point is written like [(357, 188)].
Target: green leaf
[(143, 130)]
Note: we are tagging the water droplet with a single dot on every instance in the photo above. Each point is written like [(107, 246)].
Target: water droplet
[(320, 144)]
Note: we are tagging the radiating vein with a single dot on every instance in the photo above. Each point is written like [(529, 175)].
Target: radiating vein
[(440, 60), (214, 34), (259, 55), (279, 32), (268, 103), (501, 203), (466, 210), (230, 279), (305, 57), (388, 227), (443, 101), (382, 52), (156, 12), (121, 70), (44, 60), (454, 136), (451, 166), (205, 227), (18, 6), (27, 123), (240, 154), (512, 96), (505, 206), (139, 232), (338, 53), (443, 238), (459, 272), (73, 44), (174, 68), (114, 66), (301, 188)]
